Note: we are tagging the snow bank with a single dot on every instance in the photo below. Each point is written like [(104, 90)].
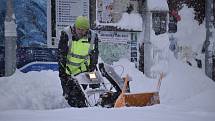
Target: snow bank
[(131, 21), (33, 90), (160, 54), (139, 82), (184, 85), (157, 5), (42, 90), (190, 33), (185, 82), (204, 101)]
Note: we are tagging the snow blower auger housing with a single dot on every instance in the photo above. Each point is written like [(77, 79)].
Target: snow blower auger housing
[(123, 97), (136, 99)]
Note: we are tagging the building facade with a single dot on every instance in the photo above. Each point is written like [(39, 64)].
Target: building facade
[(115, 43)]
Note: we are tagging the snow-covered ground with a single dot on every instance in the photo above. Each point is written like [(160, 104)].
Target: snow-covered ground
[(186, 94)]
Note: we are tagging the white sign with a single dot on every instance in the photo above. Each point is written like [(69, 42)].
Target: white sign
[(66, 13), (104, 11), (114, 37), (110, 11)]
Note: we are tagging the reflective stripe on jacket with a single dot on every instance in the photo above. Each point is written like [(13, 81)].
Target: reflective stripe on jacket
[(78, 59)]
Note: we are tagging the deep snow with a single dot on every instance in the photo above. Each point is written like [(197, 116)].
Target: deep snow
[(186, 94)]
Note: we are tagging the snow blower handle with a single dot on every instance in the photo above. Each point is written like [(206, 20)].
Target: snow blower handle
[(159, 81), (93, 52), (125, 84)]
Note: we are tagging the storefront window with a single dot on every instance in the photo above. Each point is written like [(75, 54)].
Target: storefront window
[(159, 22), (172, 24)]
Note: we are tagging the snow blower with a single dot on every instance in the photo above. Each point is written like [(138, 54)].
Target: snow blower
[(98, 94), (95, 87)]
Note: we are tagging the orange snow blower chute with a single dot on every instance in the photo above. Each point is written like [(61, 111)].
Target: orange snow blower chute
[(138, 99)]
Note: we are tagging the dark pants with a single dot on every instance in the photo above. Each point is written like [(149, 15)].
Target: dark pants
[(73, 92)]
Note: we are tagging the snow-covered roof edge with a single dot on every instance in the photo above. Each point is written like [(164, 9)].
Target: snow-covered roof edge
[(131, 21), (157, 5)]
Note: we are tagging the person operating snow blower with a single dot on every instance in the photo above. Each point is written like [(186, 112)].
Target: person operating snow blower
[(78, 53)]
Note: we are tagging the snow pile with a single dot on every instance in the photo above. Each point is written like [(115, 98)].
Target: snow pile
[(157, 5), (42, 90), (160, 41), (132, 21), (33, 90), (186, 94), (183, 85), (186, 83), (160, 54), (139, 82), (190, 33)]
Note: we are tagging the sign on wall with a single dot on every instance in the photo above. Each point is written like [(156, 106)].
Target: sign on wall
[(66, 13), (115, 45), (114, 37), (110, 11)]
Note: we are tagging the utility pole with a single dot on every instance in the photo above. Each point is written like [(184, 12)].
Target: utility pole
[(209, 53), (10, 40)]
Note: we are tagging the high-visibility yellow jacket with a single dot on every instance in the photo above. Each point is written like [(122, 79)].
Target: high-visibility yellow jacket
[(78, 59)]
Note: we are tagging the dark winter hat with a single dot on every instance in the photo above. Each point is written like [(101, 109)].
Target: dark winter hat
[(82, 22)]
